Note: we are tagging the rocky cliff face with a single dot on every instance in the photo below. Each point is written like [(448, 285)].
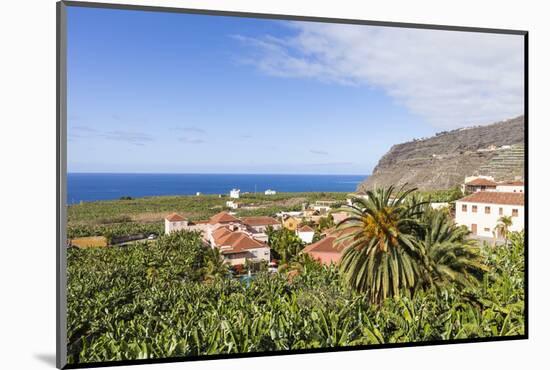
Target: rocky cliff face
[(442, 161)]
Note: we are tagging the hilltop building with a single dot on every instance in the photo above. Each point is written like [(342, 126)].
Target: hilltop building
[(270, 192), (474, 184), (511, 187), (481, 211)]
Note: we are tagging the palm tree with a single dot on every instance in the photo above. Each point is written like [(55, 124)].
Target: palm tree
[(503, 227), (452, 258), (215, 265), (382, 257)]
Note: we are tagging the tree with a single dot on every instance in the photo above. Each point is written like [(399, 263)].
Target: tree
[(382, 257), (325, 223), (215, 266), (503, 227), (285, 244), (452, 258)]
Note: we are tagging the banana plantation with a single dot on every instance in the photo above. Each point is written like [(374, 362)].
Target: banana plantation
[(408, 276), (147, 301)]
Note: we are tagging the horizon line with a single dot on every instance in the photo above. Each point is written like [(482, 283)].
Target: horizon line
[(212, 173)]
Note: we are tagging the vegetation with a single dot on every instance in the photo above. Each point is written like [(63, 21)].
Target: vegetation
[(398, 244), (409, 275), (285, 244), (503, 227), (152, 300)]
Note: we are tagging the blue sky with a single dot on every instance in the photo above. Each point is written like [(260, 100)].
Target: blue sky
[(179, 93)]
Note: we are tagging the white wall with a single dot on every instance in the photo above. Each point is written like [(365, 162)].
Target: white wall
[(486, 221), (306, 236), (511, 189), (170, 226), (255, 255)]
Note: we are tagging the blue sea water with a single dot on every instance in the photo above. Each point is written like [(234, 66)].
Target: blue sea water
[(107, 186)]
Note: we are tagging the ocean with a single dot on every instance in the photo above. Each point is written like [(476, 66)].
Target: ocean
[(90, 187)]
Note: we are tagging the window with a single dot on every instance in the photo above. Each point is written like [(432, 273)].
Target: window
[(474, 209), (500, 211), (486, 229), (464, 208), (514, 212), (487, 210)]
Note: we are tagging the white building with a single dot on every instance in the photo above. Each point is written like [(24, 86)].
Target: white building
[(323, 206), (234, 193), (174, 222), (511, 187), (481, 211), (305, 233), (270, 192), (474, 184), (232, 204)]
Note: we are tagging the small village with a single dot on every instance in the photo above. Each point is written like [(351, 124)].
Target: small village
[(488, 209)]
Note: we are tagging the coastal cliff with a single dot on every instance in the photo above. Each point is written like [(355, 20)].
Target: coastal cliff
[(442, 161)]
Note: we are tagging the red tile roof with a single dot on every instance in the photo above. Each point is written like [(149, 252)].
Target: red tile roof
[(237, 241), (481, 182), (174, 217), (222, 217), (259, 221), (329, 244), (306, 229), (494, 197)]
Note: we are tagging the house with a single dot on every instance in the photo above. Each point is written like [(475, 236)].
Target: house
[(174, 222), (237, 247), (480, 211), (474, 184), (323, 206), (234, 193), (305, 233), (291, 222), (223, 218), (257, 226), (270, 192), (260, 224), (232, 204), (511, 187), (328, 250)]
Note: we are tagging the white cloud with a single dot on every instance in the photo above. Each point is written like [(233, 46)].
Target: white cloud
[(451, 79)]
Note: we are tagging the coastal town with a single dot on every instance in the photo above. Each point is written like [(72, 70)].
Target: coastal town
[(484, 208)]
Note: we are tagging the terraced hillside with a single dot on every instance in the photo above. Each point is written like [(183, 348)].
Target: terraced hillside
[(506, 165), (442, 161)]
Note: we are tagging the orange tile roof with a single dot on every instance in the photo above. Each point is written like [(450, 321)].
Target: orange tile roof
[(237, 241), (494, 197), (222, 217), (329, 244), (174, 217), (481, 182), (259, 221), (306, 229)]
